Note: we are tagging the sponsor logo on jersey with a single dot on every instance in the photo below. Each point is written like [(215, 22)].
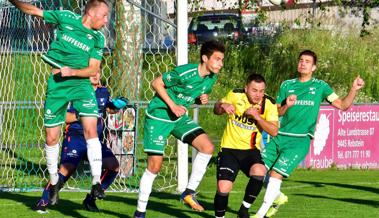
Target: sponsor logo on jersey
[(89, 36), (283, 161), (244, 122), (244, 119), (305, 102), (185, 98), (89, 103), (75, 43)]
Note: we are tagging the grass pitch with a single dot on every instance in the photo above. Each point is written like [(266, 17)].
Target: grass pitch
[(312, 194)]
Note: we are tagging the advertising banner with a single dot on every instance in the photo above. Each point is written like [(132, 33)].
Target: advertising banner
[(346, 139)]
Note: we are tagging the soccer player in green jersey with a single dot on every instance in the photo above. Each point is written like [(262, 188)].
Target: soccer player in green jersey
[(298, 102), (166, 114), (74, 56)]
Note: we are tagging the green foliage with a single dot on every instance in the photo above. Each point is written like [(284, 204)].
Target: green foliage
[(340, 59)]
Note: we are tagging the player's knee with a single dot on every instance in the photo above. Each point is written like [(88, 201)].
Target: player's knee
[(204, 145), (155, 169), (154, 162), (207, 149), (90, 133), (111, 163), (225, 187), (200, 140), (52, 139), (258, 170)]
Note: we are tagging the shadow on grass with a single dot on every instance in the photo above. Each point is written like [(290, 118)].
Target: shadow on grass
[(341, 185), (348, 186), (65, 207), (372, 203), (163, 205)]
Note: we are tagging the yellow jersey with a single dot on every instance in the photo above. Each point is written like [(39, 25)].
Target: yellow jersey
[(241, 131)]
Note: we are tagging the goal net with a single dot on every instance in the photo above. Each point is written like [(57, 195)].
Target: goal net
[(140, 45)]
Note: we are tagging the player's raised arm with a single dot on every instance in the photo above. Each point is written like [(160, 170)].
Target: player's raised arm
[(345, 103), (27, 8)]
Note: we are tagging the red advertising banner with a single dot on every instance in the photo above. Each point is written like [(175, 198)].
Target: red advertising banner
[(346, 138)]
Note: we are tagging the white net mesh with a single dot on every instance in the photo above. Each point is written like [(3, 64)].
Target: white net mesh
[(140, 46)]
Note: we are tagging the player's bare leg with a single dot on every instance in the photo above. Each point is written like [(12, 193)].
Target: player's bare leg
[(154, 164), (199, 166)]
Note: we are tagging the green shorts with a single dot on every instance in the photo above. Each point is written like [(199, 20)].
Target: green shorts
[(157, 130), (284, 153), (61, 91)]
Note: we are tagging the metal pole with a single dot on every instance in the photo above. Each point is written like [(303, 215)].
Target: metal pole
[(182, 58)]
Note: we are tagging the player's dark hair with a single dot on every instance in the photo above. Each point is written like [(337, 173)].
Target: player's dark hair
[(209, 47), (94, 3), (256, 78), (309, 53)]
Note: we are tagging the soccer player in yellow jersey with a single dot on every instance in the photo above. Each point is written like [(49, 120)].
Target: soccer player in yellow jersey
[(250, 112)]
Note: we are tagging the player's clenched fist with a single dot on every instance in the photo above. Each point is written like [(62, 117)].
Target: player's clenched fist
[(358, 83), (290, 101), (203, 98)]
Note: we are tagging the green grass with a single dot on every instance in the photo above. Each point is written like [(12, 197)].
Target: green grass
[(312, 194)]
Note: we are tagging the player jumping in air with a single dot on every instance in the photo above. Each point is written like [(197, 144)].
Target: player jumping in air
[(74, 148), (74, 56), (298, 102), (166, 114)]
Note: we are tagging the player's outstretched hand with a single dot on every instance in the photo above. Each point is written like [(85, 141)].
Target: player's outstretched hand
[(228, 108), (358, 83), (204, 98), (290, 101), (178, 110)]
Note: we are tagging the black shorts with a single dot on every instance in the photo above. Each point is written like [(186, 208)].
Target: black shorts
[(230, 161)]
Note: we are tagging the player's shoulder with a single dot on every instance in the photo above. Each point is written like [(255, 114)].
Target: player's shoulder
[(236, 94), (238, 91), (319, 82), (269, 99), (99, 34), (288, 82), (67, 14), (186, 68)]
